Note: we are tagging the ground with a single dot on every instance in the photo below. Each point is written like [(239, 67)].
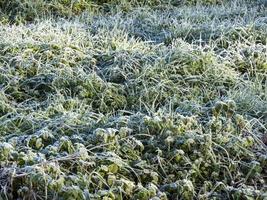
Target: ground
[(133, 100)]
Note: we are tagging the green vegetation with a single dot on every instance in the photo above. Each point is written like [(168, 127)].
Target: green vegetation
[(133, 99)]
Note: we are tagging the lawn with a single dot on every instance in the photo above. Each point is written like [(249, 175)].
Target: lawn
[(138, 100)]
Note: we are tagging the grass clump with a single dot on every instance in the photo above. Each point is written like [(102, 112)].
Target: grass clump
[(162, 102), (29, 10)]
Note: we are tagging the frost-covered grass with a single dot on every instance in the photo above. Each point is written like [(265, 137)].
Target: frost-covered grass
[(119, 101)]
